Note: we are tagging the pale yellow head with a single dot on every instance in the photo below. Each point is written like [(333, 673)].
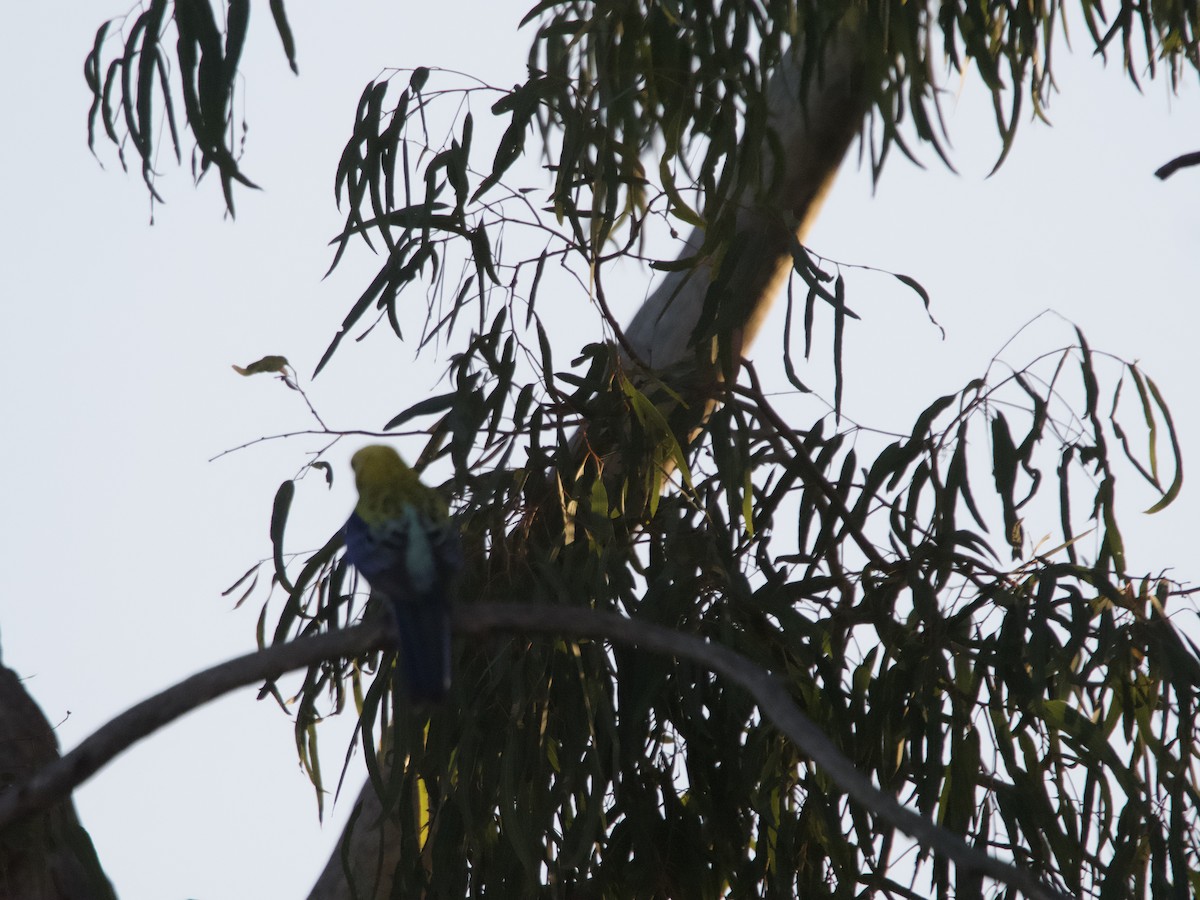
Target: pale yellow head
[(386, 485)]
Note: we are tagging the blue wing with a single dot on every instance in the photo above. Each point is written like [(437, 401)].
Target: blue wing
[(411, 563)]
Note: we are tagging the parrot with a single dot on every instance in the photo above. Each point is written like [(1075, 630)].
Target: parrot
[(401, 540)]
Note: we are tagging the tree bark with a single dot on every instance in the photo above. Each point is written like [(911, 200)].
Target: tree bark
[(815, 132), (49, 856), (367, 849)]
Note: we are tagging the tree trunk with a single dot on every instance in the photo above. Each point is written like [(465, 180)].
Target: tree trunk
[(815, 136), (48, 856)]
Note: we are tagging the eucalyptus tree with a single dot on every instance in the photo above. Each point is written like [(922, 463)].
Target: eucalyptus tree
[(828, 646)]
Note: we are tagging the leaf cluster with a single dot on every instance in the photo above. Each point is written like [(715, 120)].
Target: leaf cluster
[(1041, 708), (682, 82), (127, 85)]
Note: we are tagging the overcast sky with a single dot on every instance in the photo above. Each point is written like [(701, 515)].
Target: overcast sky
[(117, 534)]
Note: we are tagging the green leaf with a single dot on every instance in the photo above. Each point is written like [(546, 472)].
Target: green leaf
[(748, 502), (285, 33), (1176, 484), (678, 206), (656, 425), (279, 515), (424, 407), (270, 364), (1004, 469)]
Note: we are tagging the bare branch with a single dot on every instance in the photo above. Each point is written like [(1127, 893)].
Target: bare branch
[(1166, 170), (57, 780)]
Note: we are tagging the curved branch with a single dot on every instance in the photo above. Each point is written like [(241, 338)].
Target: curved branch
[(1164, 172), (57, 780)]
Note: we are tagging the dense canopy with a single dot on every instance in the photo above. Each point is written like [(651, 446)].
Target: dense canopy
[(1029, 696)]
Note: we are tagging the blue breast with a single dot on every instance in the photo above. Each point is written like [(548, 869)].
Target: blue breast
[(406, 557)]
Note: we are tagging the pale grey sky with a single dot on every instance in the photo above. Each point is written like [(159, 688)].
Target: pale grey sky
[(117, 535)]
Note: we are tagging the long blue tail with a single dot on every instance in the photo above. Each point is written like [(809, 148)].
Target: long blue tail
[(424, 629)]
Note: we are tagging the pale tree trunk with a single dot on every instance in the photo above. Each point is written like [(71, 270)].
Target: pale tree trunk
[(815, 136), (48, 856)]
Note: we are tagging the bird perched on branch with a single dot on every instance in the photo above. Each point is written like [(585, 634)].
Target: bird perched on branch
[(400, 538)]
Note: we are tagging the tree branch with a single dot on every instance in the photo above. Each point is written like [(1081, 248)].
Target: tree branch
[(1166, 170), (57, 780), (814, 128)]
